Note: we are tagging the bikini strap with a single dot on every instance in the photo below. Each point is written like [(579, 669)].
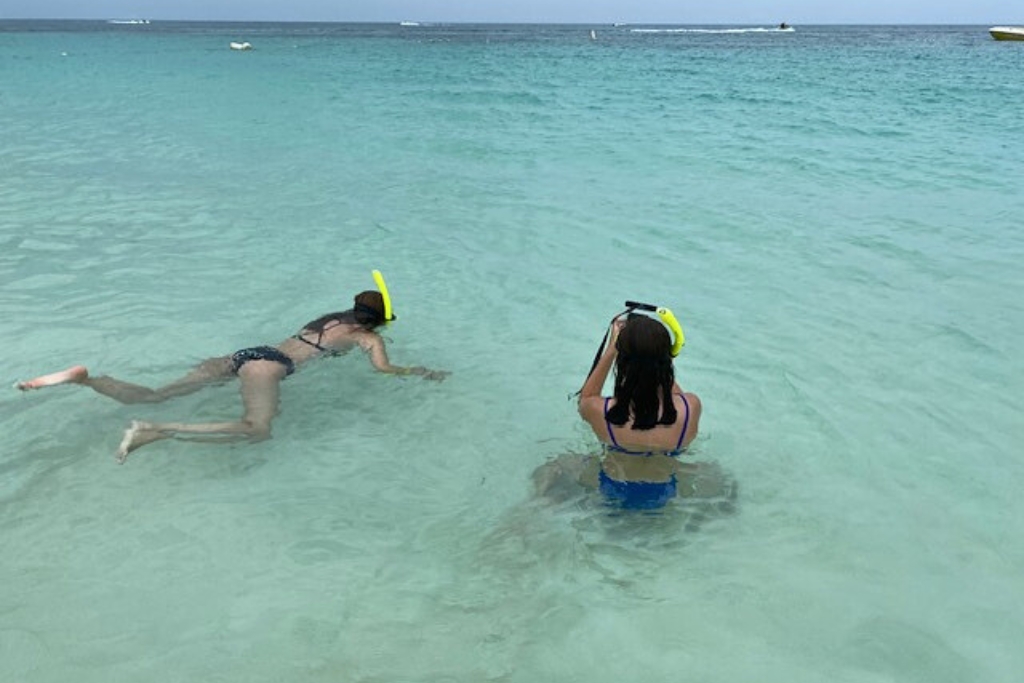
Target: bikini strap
[(686, 421), (609, 424), (318, 344), (320, 335), (315, 345), (326, 327)]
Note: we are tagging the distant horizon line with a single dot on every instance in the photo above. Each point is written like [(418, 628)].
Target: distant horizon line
[(413, 23)]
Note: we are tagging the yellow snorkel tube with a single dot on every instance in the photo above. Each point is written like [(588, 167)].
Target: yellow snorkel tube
[(382, 287), (669, 320)]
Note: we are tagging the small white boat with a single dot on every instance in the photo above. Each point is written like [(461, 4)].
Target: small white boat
[(1007, 32), (240, 46)]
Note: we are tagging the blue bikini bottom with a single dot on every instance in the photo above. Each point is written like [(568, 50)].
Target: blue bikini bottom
[(637, 495)]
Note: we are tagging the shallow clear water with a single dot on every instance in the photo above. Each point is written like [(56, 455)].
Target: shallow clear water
[(833, 214)]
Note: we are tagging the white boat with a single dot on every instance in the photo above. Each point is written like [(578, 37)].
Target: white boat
[(756, 29), (240, 46), (1007, 32)]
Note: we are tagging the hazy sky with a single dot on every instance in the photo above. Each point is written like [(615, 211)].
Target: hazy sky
[(753, 12)]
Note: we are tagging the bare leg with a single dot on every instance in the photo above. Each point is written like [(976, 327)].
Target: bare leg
[(73, 375), (260, 387), (212, 370), (567, 476)]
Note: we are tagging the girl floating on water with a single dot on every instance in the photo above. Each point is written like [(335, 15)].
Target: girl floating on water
[(259, 369)]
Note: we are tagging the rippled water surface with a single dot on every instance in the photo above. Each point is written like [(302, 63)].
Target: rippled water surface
[(833, 213)]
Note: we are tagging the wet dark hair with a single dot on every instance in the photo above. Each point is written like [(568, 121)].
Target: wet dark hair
[(643, 375), (368, 311)]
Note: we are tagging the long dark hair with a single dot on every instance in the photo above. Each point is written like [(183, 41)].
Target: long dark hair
[(643, 375), (368, 311)]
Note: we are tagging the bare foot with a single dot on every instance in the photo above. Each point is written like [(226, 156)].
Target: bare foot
[(73, 375), (136, 436)]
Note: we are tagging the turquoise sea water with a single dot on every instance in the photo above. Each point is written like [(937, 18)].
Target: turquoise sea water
[(834, 215)]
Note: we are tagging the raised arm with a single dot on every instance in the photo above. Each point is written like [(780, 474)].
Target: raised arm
[(591, 405)]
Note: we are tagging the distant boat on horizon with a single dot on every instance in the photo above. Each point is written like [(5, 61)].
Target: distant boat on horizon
[(128, 21), (1007, 32), (782, 28)]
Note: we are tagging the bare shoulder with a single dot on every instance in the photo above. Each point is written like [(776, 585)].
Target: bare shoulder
[(368, 340)]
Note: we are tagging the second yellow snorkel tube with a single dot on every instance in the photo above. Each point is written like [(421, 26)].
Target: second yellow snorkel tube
[(668, 319), (382, 287)]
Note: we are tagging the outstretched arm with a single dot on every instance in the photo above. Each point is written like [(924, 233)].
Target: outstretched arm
[(373, 344)]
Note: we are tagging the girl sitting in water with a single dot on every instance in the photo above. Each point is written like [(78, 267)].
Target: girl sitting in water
[(644, 426), (259, 369)]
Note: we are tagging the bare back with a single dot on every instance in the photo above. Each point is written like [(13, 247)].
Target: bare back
[(336, 339), (659, 438)]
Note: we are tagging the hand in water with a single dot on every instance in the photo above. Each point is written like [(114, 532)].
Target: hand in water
[(435, 375)]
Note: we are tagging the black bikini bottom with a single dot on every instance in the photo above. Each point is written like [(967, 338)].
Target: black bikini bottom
[(240, 358)]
